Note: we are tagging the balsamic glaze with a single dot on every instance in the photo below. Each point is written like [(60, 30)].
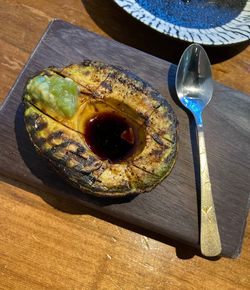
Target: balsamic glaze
[(110, 136)]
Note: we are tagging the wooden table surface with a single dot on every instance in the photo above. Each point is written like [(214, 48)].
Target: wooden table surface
[(45, 244)]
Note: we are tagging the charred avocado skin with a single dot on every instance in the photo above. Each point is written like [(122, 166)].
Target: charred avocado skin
[(58, 107)]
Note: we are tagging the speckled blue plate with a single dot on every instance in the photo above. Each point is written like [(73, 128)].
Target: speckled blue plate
[(217, 22)]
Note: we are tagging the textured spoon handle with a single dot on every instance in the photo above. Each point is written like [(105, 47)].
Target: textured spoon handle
[(209, 233)]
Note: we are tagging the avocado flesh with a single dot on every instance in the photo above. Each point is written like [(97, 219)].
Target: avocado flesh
[(103, 88)]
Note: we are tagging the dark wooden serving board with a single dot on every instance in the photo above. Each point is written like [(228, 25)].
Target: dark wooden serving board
[(171, 209)]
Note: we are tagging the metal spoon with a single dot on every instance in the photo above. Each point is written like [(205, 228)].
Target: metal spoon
[(194, 88)]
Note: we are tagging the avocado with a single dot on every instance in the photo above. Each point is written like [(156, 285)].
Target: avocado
[(105, 130)]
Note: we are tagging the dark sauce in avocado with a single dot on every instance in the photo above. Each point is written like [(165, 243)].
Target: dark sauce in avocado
[(110, 136)]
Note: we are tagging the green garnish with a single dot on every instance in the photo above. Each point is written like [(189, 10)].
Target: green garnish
[(60, 94)]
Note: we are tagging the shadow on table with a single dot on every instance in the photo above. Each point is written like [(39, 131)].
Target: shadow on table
[(121, 26), (192, 133)]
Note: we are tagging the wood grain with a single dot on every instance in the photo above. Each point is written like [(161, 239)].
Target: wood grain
[(81, 251)]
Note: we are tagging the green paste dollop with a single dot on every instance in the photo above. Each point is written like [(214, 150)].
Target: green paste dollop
[(60, 94)]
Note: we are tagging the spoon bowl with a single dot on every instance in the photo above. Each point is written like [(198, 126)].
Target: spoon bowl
[(194, 84), (194, 87)]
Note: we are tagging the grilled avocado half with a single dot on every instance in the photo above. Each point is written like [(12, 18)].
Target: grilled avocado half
[(105, 130)]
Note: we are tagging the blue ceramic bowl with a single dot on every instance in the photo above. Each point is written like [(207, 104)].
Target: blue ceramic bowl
[(217, 22)]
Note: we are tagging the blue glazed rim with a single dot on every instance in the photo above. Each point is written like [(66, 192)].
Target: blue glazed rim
[(235, 31)]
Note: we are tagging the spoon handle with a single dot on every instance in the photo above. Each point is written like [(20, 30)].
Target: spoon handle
[(209, 234)]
